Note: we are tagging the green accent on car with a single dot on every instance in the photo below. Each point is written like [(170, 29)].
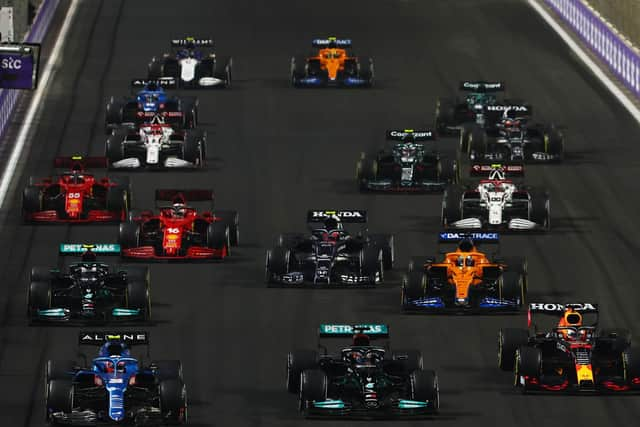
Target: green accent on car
[(329, 404), (371, 329), (411, 404), (54, 312), (121, 312)]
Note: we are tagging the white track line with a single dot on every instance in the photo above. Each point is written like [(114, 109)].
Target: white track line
[(50, 68), (595, 68)]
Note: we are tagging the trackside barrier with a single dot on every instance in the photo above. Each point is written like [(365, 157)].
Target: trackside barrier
[(619, 55), (9, 97)]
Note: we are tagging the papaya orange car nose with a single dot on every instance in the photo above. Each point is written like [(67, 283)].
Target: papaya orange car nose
[(332, 69)]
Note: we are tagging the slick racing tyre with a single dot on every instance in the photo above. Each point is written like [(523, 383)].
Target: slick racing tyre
[(114, 148), (417, 263), (540, 209), (154, 70), (173, 401), (425, 388), (477, 143), (366, 71), (451, 205), (512, 288), (168, 369), (518, 265), (232, 220), (192, 149), (39, 297), (138, 297), (366, 170), (528, 364), (413, 287), (447, 171), (189, 107), (386, 243), (509, 340), (554, 143), (114, 115), (31, 201), (59, 398), (277, 263), (297, 362), (129, 235), (41, 274), (298, 70), (218, 237), (372, 264), (631, 359), (313, 387), (119, 197)]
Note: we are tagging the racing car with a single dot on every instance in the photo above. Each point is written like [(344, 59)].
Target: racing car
[(76, 196), (496, 203), (89, 291), (178, 231), (466, 280), (513, 138), (361, 379), (192, 65), (330, 255), (156, 144), (572, 356), (407, 166), (481, 107), (116, 387), (331, 65), (149, 101)]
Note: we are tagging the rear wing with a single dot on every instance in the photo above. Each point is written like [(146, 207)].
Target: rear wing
[(345, 215), (418, 135), (454, 237), (100, 337), (194, 195), (191, 42), (343, 331), (79, 162), (556, 309), (509, 170), (331, 42), (165, 83), (482, 86), (522, 110), (82, 248)]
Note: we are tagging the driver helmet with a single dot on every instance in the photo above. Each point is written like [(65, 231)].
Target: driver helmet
[(179, 210), (115, 349), (361, 340), (466, 245)]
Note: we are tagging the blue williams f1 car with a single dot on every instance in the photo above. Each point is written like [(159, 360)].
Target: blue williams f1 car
[(360, 378), (466, 280), (191, 66), (115, 388), (149, 102)]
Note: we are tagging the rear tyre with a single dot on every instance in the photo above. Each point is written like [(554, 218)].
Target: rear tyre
[(39, 297), (540, 209), (411, 360), (218, 237), (445, 115), (31, 201), (509, 340), (129, 235), (477, 143), (138, 297), (512, 288), (372, 264), (451, 205), (366, 171), (386, 243), (313, 388), (59, 398), (425, 388), (277, 263), (41, 274), (114, 148), (173, 401), (448, 171), (114, 115), (297, 362), (367, 71), (192, 150), (528, 364), (232, 220)]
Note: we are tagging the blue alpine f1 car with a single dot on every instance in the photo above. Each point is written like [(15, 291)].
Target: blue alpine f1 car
[(150, 101), (115, 388)]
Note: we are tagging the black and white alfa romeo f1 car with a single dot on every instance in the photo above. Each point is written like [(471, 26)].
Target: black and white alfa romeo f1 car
[(496, 203), (156, 145), (330, 255)]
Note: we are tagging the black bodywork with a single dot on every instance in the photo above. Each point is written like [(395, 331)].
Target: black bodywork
[(330, 257)]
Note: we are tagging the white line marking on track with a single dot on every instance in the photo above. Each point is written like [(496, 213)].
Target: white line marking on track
[(595, 68), (50, 68)]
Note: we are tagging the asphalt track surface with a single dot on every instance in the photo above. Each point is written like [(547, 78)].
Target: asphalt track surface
[(275, 151)]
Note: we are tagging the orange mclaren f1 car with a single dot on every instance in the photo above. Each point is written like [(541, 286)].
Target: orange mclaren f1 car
[(466, 280), (331, 65)]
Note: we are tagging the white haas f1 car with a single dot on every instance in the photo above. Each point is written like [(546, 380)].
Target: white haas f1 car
[(496, 203), (156, 144)]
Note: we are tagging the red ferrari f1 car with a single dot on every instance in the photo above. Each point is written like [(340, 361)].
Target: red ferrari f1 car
[(179, 231), (76, 196)]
